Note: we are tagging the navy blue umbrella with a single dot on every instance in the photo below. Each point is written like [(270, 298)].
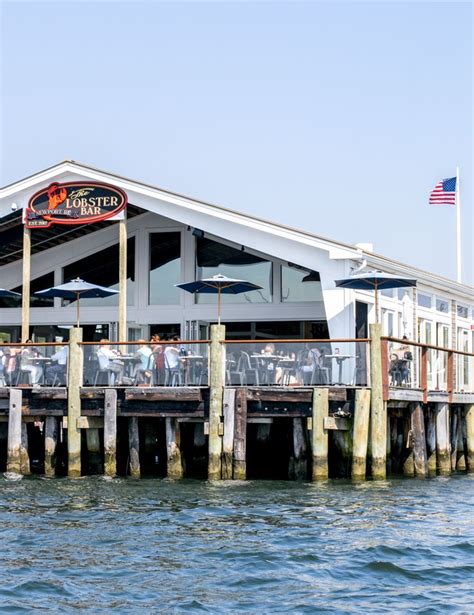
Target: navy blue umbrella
[(75, 289), (8, 293), (217, 285), (375, 280)]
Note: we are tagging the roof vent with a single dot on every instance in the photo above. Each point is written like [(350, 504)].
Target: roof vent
[(366, 247)]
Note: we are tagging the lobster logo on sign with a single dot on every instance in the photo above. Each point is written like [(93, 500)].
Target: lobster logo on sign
[(74, 203)]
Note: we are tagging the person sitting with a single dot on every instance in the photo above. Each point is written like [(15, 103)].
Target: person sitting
[(394, 370), (142, 360), (311, 367), (172, 362), (404, 355), (57, 370), (109, 361), (28, 365)]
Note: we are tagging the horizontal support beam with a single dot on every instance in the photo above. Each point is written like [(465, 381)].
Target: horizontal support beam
[(288, 395), (336, 423)]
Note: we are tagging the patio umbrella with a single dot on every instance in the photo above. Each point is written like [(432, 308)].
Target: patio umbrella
[(217, 285), (75, 289), (375, 280), (8, 293)]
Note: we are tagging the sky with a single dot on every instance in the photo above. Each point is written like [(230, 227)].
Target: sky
[(334, 117)]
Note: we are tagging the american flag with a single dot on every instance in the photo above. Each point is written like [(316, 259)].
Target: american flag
[(444, 193)]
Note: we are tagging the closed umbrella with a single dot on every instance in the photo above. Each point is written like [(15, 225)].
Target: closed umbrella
[(75, 289), (375, 280), (217, 285)]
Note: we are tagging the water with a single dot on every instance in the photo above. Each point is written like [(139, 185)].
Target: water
[(159, 546)]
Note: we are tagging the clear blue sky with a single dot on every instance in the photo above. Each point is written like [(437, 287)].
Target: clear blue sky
[(334, 117)]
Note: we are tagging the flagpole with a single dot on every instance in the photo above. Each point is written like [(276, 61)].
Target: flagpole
[(458, 228)]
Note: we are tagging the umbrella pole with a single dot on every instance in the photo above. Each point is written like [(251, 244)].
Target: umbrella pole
[(219, 305), (376, 304), (77, 308)]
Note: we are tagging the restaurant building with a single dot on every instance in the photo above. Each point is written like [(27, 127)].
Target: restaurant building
[(171, 239)]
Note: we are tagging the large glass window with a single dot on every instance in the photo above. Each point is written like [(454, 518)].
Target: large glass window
[(102, 268), (424, 300), (295, 288), (41, 283), (213, 257), (442, 305), (165, 269)]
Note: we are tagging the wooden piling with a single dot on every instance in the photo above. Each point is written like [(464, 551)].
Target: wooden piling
[(228, 438), (25, 467), (469, 419), (443, 458), (454, 437), (216, 388), (122, 311), (299, 466), (378, 415), (110, 432), (319, 435), (431, 440), (74, 403), (408, 465), (134, 447), (14, 432), (51, 430), (461, 457), (25, 293), (93, 451), (240, 435), (174, 466), (420, 459), (361, 434)]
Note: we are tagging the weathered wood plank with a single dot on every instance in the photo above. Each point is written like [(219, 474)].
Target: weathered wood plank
[(420, 458), (51, 430), (164, 394), (361, 434), (134, 447), (14, 432), (110, 432), (336, 423), (405, 394), (240, 436), (319, 435), (175, 469), (228, 436), (292, 395)]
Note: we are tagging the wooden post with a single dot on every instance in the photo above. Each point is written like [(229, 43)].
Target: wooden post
[(217, 370), (25, 293), (24, 454), (14, 431), (240, 435), (469, 418), (420, 458), (173, 449), (461, 458), (319, 435), (122, 320), (378, 415), (442, 438), (51, 429), (300, 463), (408, 457), (74, 403), (134, 447), (93, 451), (431, 441), (361, 434), (454, 437), (228, 439), (110, 432)]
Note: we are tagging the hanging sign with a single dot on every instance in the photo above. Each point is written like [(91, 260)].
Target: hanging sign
[(74, 203)]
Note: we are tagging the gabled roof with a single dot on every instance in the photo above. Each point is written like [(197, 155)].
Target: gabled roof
[(336, 249)]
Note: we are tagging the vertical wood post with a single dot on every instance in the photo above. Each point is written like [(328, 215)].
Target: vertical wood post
[(25, 293), (319, 435), (431, 441), (122, 321), (240, 435), (361, 434), (469, 418), (300, 463), (378, 415), (173, 449), (461, 457), (14, 431), (74, 403), (216, 389), (134, 447), (454, 437), (94, 460), (420, 458), (229, 426), (51, 429), (25, 468), (442, 438), (408, 457), (110, 432)]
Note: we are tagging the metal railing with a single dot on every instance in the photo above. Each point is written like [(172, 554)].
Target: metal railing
[(34, 364)]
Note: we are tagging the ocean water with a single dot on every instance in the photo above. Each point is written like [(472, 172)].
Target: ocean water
[(237, 547)]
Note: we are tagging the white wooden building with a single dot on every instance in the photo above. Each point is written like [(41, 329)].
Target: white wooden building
[(173, 238)]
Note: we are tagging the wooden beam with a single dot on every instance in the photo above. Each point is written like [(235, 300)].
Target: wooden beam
[(442, 439), (336, 423), (163, 394), (420, 458), (25, 294), (292, 395), (319, 435), (51, 430), (240, 436), (110, 433), (361, 434), (228, 436), (216, 390), (378, 415), (174, 466), (14, 432), (134, 447), (74, 402), (122, 319)]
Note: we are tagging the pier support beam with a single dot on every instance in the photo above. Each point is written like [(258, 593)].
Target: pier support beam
[(173, 449), (25, 467), (216, 389), (74, 403), (51, 430), (110, 432), (469, 418), (420, 458), (378, 422), (443, 455), (134, 447), (361, 434), (299, 465), (14, 432), (431, 441), (461, 457), (455, 426), (94, 460), (240, 435), (228, 439), (319, 435)]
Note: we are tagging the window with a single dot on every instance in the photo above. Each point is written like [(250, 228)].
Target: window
[(213, 257), (102, 268), (424, 300), (387, 292), (401, 292), (165, 269), (442, 305), (41, 283), (462, 311), (294, 288), (388, 322)]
